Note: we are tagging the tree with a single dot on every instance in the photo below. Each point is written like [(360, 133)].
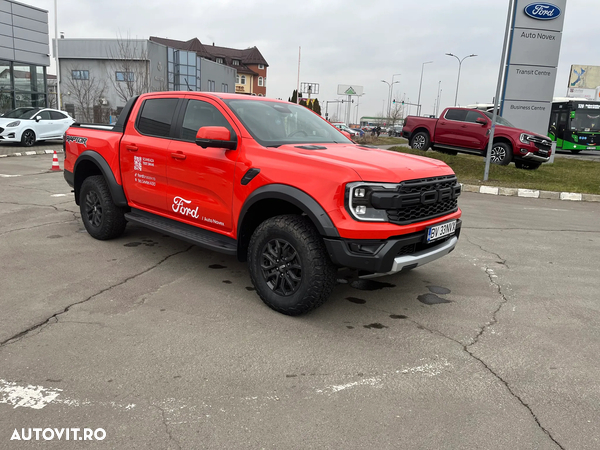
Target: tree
[(294, 97), (84, 90), (316, 107), (128, 70)]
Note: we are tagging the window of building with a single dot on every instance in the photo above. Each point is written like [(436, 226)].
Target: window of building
[(260, 81), (211, 86), (261, 66), (237, 79), (220, 61), (200, 114), (124, 76), (156, 116), (224, 87), (80, 74), (235, 62), (243, 79)]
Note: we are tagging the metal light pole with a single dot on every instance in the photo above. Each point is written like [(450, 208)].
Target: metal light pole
[(389, 93), (437, 110), (420, 84), (56, 55), (458, 78)]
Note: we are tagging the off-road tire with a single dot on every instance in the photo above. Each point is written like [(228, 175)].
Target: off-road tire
[(420, 141), (102, 219), (527, 165), (289, 265), (501, 154), (28, 138)]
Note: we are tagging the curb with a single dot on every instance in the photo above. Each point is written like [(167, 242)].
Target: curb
[(530, 193), (31, 153)]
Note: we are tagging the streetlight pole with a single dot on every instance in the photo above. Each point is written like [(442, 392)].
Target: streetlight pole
[(390, 93), (438, 98), (458, 78), (420, 84)]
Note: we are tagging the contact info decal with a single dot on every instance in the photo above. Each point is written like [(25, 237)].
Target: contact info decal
[(139, 163)]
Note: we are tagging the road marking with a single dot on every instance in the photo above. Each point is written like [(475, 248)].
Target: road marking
[(8, 176), (38, 397), (58, 195)]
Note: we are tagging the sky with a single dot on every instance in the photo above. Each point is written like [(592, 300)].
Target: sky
[(344, 42)]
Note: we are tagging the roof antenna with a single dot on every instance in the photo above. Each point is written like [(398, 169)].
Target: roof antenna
[(188, 84)]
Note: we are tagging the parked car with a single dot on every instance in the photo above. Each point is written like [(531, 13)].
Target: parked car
[(466, 130), (29, 125), (343, 127), (268, 181), (396, 130)]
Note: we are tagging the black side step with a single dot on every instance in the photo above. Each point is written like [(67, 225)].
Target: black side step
[(194, 235)]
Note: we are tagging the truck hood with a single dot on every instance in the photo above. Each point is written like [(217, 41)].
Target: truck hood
[(514, 130), (372, 164)]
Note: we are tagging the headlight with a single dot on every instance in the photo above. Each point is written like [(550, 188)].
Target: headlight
[(16, 123), (526, 138), (358, 201)]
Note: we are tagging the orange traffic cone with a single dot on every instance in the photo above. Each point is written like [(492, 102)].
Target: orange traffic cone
[(55, 165)]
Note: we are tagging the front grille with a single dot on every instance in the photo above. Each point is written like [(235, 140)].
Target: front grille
[(418, 200), (543, 146)]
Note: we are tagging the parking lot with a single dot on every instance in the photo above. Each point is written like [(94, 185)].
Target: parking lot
[(165, 345)]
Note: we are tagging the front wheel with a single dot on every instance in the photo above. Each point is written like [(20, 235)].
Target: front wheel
[(289, 265), (102, 219), (28, 138), (420, 141), (501, 154)]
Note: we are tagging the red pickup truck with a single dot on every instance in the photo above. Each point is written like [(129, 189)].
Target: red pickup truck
[(467, 130), (268, 181)]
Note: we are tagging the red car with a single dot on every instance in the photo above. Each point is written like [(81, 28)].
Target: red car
[(467, 130), (268, 181)]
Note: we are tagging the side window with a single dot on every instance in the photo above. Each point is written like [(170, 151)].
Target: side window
[(456, 114), (156, 116), (57, 116), (200, 114), (44, 114), (472, 116)]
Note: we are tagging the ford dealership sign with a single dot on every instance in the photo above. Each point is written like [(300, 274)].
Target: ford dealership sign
[(542, 11)]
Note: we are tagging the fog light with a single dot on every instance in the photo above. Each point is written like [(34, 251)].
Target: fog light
[(359, 192), (361, 210), (524, 150)]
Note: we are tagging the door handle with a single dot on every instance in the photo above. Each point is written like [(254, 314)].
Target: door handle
[(463, 126), (131, 148), (178, 155)]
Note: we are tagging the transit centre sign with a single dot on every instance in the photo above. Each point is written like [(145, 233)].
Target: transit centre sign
[(530, 74)]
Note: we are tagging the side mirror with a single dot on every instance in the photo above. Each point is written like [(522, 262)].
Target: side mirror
[(38, 118), (218, 137), (481, 121)]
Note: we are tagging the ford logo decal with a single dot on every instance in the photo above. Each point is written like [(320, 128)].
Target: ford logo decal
[(542, 11)]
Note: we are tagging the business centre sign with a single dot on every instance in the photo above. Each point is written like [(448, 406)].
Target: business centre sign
[(531, 65)]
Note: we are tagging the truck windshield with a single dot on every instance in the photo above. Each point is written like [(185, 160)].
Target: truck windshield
[(273, 123), (500, 120)]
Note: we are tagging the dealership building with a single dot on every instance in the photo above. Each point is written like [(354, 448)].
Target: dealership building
[(24, 55)]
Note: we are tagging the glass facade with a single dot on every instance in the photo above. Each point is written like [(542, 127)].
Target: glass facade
[(183, 69), (22, 85)]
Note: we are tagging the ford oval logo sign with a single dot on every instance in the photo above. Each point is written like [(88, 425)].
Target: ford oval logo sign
[(542, 11)]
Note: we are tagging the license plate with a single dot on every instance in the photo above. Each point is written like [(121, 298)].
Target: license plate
[(591, 148), (439, 231)]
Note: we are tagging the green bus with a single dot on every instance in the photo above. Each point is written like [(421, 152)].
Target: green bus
[(575, 124)]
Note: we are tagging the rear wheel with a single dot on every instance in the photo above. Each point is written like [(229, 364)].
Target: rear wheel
[(289, 265), (501, 154), (420, 141), (102, 219), (28, 138)]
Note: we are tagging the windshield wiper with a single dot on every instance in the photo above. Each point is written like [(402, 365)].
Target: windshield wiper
[(274, 146)]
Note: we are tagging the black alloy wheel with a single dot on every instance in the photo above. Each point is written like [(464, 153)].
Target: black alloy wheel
[(28, 138), (281, 267)]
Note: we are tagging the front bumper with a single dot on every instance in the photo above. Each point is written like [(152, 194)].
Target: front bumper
[(389, 256), (534, 157)]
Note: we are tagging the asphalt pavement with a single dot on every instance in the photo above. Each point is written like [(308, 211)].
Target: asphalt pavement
[(164, 345)]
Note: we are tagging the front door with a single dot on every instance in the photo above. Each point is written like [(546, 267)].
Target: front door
[(200, 179), (144, 153)]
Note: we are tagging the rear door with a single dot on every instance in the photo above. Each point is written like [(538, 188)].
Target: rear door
[(144, 154), (449, 129), (200, 179)]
